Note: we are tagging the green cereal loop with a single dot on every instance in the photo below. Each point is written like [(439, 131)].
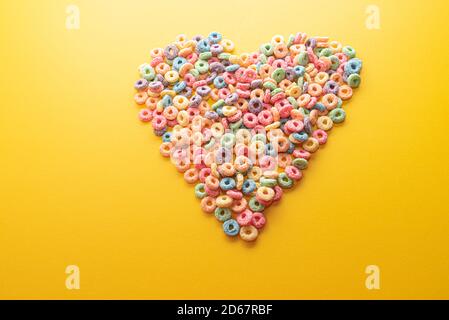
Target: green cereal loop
[(276, 91), (222, 214), (337, 115), (278, 75), (255, 205), (262, 58), (147, 72), (335, 63), (339, 102), (236, 125), (259, 137), (302, 58), (267, 182), (269, 85), (284, 181), (205, 55), (228, 140), (267, 49), (220, 103), (317, 51), (200, 192), (202, 66), (194, 73), (300, 163), (326, 52), (293, 102), (300, 82), (354, 80), (210, 144), (169, 62), (224, 56), (304, 111), (349, 51)]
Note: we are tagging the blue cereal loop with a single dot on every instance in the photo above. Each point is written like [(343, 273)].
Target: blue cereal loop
[(231, 227)]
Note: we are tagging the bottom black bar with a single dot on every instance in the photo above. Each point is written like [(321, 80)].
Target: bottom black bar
[(226, 309)]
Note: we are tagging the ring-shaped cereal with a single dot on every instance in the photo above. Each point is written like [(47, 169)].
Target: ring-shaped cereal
[(293, 172), (314, 89), (231, 227), (345, 92), (208, 204), (248, 233), (191, 175), (324, 123), (224, 201), (239, 205), (171, 76), (212, 182), (311, 145), (258, 219), (320, 135), (255, 173), (330, 101), (222, 214), (265, 193), (284, 160)]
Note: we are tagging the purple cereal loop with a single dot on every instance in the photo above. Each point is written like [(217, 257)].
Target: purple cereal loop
[(216, 67), (203, 90), (232, 98), (195, 101), (141, 84), (255, 106)]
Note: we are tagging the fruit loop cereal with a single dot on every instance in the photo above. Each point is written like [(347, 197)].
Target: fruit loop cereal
[(242, 128)]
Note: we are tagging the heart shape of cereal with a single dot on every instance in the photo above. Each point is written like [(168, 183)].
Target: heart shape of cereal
[(242, 128)]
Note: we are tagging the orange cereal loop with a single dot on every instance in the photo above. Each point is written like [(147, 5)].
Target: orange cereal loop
[(345, 92), (314, 89), (265, 70), (283, 143), (214, 94), (280, 51), (185, 69), (165, 149), (275, 113), (296, 114), (151, 103), (257, 93), (303, 100), (140, 97), (330, 101), (208, 204), (185, 52), (313, 116), (337, 78), (182, 165), (311, 145), (248, 233), (245, 59), (284, 84), (296, 48), (284, 160), (191, 175), (162, 68), (239, 205)]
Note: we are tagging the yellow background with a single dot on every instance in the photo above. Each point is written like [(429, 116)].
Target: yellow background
[(82, 181)]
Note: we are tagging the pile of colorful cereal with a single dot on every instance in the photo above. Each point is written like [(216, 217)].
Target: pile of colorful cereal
[(243, 127)]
